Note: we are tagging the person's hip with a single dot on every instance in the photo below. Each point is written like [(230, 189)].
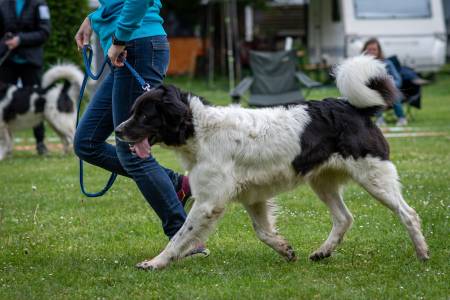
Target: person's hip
[(149, 56)]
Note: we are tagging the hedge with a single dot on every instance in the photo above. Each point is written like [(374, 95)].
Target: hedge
[(66, 16)]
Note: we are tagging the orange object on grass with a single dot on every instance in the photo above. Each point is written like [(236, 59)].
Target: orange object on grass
[(183, 55)]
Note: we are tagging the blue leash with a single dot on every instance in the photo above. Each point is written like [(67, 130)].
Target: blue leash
[(87, 59)]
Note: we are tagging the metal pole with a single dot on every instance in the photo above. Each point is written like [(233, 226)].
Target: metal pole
[(235, 29), (211, 50), (230, 57)]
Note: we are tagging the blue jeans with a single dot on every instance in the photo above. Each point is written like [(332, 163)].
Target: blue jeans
[(398, 108), (109, 107), (408, 74)]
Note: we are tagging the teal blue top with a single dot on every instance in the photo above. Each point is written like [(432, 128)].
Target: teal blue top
[(19, 7), (127, 20)]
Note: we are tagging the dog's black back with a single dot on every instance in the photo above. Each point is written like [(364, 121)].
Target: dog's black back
[(21, 102), (337, 127)]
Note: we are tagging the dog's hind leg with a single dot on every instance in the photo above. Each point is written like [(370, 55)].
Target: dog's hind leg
[(64, 126), (10, 142), (380, 179), (328, 188), (263, 220), (6, 142)]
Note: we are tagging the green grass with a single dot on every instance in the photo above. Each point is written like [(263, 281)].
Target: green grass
[(55, 243)]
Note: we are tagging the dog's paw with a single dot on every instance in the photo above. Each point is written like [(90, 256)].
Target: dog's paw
[(423, 255), (289, 254), (150, 265), (319, 255)]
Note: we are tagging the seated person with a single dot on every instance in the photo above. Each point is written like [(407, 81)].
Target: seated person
[(404, 78)]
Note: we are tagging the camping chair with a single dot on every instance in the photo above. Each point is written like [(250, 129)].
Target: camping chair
[(412, 92), (275, 80)]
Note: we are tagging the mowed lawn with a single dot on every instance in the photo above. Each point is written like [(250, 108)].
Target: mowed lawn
[(57, 244)]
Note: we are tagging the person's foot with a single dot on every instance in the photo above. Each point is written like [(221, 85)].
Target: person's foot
[(41, 148), (401, 122), (184, 190), (380, 122), (420, 81)]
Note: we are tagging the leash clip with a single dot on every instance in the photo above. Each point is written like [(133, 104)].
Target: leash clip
[(146, 87)]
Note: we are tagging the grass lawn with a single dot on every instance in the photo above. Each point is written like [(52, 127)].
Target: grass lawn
[(55, 243)]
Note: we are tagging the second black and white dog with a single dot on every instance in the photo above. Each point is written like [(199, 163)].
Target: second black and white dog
[(251, 155), (54, 102)]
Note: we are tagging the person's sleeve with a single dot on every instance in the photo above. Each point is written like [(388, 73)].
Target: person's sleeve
[(90, 15), (394, 73), (132, 13), (42, 32)]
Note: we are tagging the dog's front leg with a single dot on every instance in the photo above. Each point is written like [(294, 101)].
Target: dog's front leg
[(199, 224)]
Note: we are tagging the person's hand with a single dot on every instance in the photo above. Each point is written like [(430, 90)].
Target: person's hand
[(83, 35), (117, 55), (13, 43)]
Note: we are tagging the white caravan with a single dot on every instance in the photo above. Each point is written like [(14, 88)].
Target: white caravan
[(447, 21), (414, 30)]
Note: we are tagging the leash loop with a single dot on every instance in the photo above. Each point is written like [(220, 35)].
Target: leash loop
[(87, 59)]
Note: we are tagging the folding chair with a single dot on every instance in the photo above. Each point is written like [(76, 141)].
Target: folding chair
[(275, 80), (412, 92)]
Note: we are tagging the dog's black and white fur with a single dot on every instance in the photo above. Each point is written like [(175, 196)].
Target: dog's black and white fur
[(54, 102), (251, 155)]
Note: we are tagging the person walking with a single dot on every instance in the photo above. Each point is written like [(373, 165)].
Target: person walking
[(131, 30), (24, 28)]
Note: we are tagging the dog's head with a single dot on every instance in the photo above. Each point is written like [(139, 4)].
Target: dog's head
[(161, 115)]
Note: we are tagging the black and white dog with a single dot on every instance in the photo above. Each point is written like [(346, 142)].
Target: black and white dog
[(54, 102), (251, 155)]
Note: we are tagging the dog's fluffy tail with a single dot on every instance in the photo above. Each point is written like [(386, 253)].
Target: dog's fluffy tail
[(69, 72), (364, 81)]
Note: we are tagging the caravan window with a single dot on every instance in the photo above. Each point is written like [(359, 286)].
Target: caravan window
[(392, 9)]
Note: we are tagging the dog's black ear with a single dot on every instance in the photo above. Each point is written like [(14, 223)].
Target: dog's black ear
[(172, 107), (172, 92), (154, 94), (176, 116)]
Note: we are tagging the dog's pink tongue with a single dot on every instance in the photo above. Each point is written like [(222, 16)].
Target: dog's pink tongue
[(142, 148)]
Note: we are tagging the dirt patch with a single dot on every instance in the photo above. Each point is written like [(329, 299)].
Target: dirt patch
[(51, 147)]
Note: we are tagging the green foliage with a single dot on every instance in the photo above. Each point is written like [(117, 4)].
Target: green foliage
[(67, 16)]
